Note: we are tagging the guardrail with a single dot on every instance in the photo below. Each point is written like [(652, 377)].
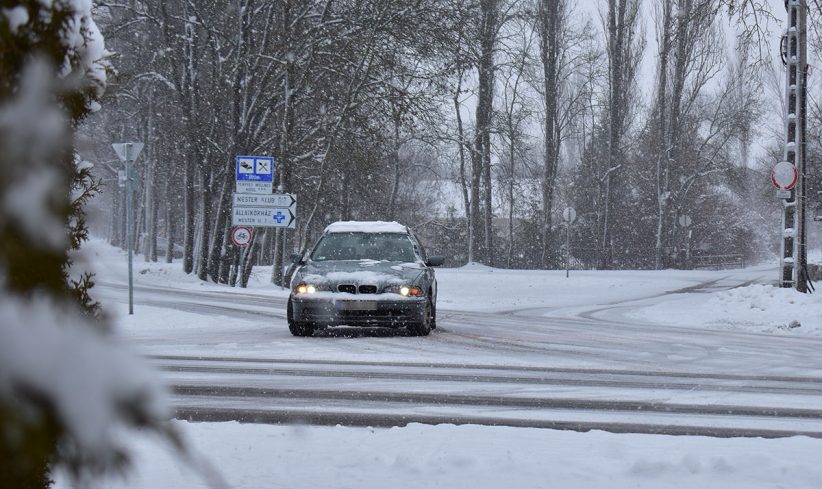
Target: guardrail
[(718, 262)]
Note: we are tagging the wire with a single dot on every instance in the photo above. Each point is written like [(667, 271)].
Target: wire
[(811, 288), (783, 49)]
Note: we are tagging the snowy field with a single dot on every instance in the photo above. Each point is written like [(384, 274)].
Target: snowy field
[(264, 456)]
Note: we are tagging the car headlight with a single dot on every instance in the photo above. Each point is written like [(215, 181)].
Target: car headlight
[(303, 289), (408, 291)]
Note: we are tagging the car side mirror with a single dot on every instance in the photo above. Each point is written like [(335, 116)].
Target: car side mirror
[(435, 261), (297, 258)]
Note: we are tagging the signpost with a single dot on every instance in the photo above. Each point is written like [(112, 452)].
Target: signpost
[(569, 215), (255, 205), (784, 176), (241, 236), (255, 175), (264, 210), (128, 152), (266, 217), (273, 200)]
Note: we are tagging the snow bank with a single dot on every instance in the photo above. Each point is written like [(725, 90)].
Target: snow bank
[(755, 308), (263, 456)]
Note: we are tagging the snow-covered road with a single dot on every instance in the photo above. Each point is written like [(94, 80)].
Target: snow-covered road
[(622, 354)]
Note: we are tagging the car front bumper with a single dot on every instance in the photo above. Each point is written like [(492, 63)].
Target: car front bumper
[(350, 311)]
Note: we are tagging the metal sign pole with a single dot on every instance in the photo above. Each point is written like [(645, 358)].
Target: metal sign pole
[(128, 153), (567, 249), (130, 230)]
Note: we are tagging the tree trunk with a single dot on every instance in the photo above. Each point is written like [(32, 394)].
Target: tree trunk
[(618, 46), (549, 29), (395, 153), (171, 224), (466, 201), (511, 179), (189, 93), (481, 158), (207, 223), (248, 261), (221, 226), (662, 165)]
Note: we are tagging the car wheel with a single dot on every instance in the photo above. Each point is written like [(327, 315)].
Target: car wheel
[(423, 328), (297, 328)]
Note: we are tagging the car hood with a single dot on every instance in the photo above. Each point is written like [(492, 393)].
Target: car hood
[(359, 272)]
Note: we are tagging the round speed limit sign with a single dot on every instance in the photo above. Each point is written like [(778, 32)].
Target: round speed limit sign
[(241, 236)]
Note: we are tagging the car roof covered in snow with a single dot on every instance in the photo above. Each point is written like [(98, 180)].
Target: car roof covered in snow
[(366, 227)]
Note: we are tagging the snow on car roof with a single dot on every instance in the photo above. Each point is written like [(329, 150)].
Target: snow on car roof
[(366, 227)]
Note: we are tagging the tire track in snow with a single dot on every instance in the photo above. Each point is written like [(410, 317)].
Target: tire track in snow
[(389, 420)]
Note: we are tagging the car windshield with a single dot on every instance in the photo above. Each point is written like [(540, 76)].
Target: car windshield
[(365, 246)]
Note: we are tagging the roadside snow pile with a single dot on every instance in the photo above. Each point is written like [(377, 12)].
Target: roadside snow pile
[(769, 309), (261, 456), (755, 308)]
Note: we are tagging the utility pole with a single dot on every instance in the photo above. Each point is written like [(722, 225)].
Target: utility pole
[(794, 256)]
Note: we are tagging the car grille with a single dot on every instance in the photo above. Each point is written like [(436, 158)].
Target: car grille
[(368, 289), (349, 289)]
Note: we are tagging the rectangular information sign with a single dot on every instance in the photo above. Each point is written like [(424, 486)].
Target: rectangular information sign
[(269, 217), (255, 174), (288, 201)]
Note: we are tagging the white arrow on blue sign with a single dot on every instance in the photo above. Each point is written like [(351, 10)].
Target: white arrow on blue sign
[(267, 217)]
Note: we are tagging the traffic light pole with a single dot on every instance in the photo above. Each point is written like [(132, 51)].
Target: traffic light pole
[(794, 253)]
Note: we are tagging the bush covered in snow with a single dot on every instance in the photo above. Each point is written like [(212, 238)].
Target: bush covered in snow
[(65, 387)]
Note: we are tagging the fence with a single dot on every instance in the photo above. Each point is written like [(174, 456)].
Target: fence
[(718, 262)]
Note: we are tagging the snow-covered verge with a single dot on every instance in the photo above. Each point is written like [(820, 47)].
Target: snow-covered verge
[(265, 456), (110, 265), (480, 288), (469, 288), (755, 308)]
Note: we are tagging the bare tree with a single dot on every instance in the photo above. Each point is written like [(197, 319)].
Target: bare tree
[(690, 57), (515, 111), (623, 53)]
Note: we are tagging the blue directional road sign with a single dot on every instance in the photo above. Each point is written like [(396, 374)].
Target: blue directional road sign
[(255, 174)]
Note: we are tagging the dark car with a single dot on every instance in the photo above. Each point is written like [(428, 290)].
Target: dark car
[(364, 274)]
